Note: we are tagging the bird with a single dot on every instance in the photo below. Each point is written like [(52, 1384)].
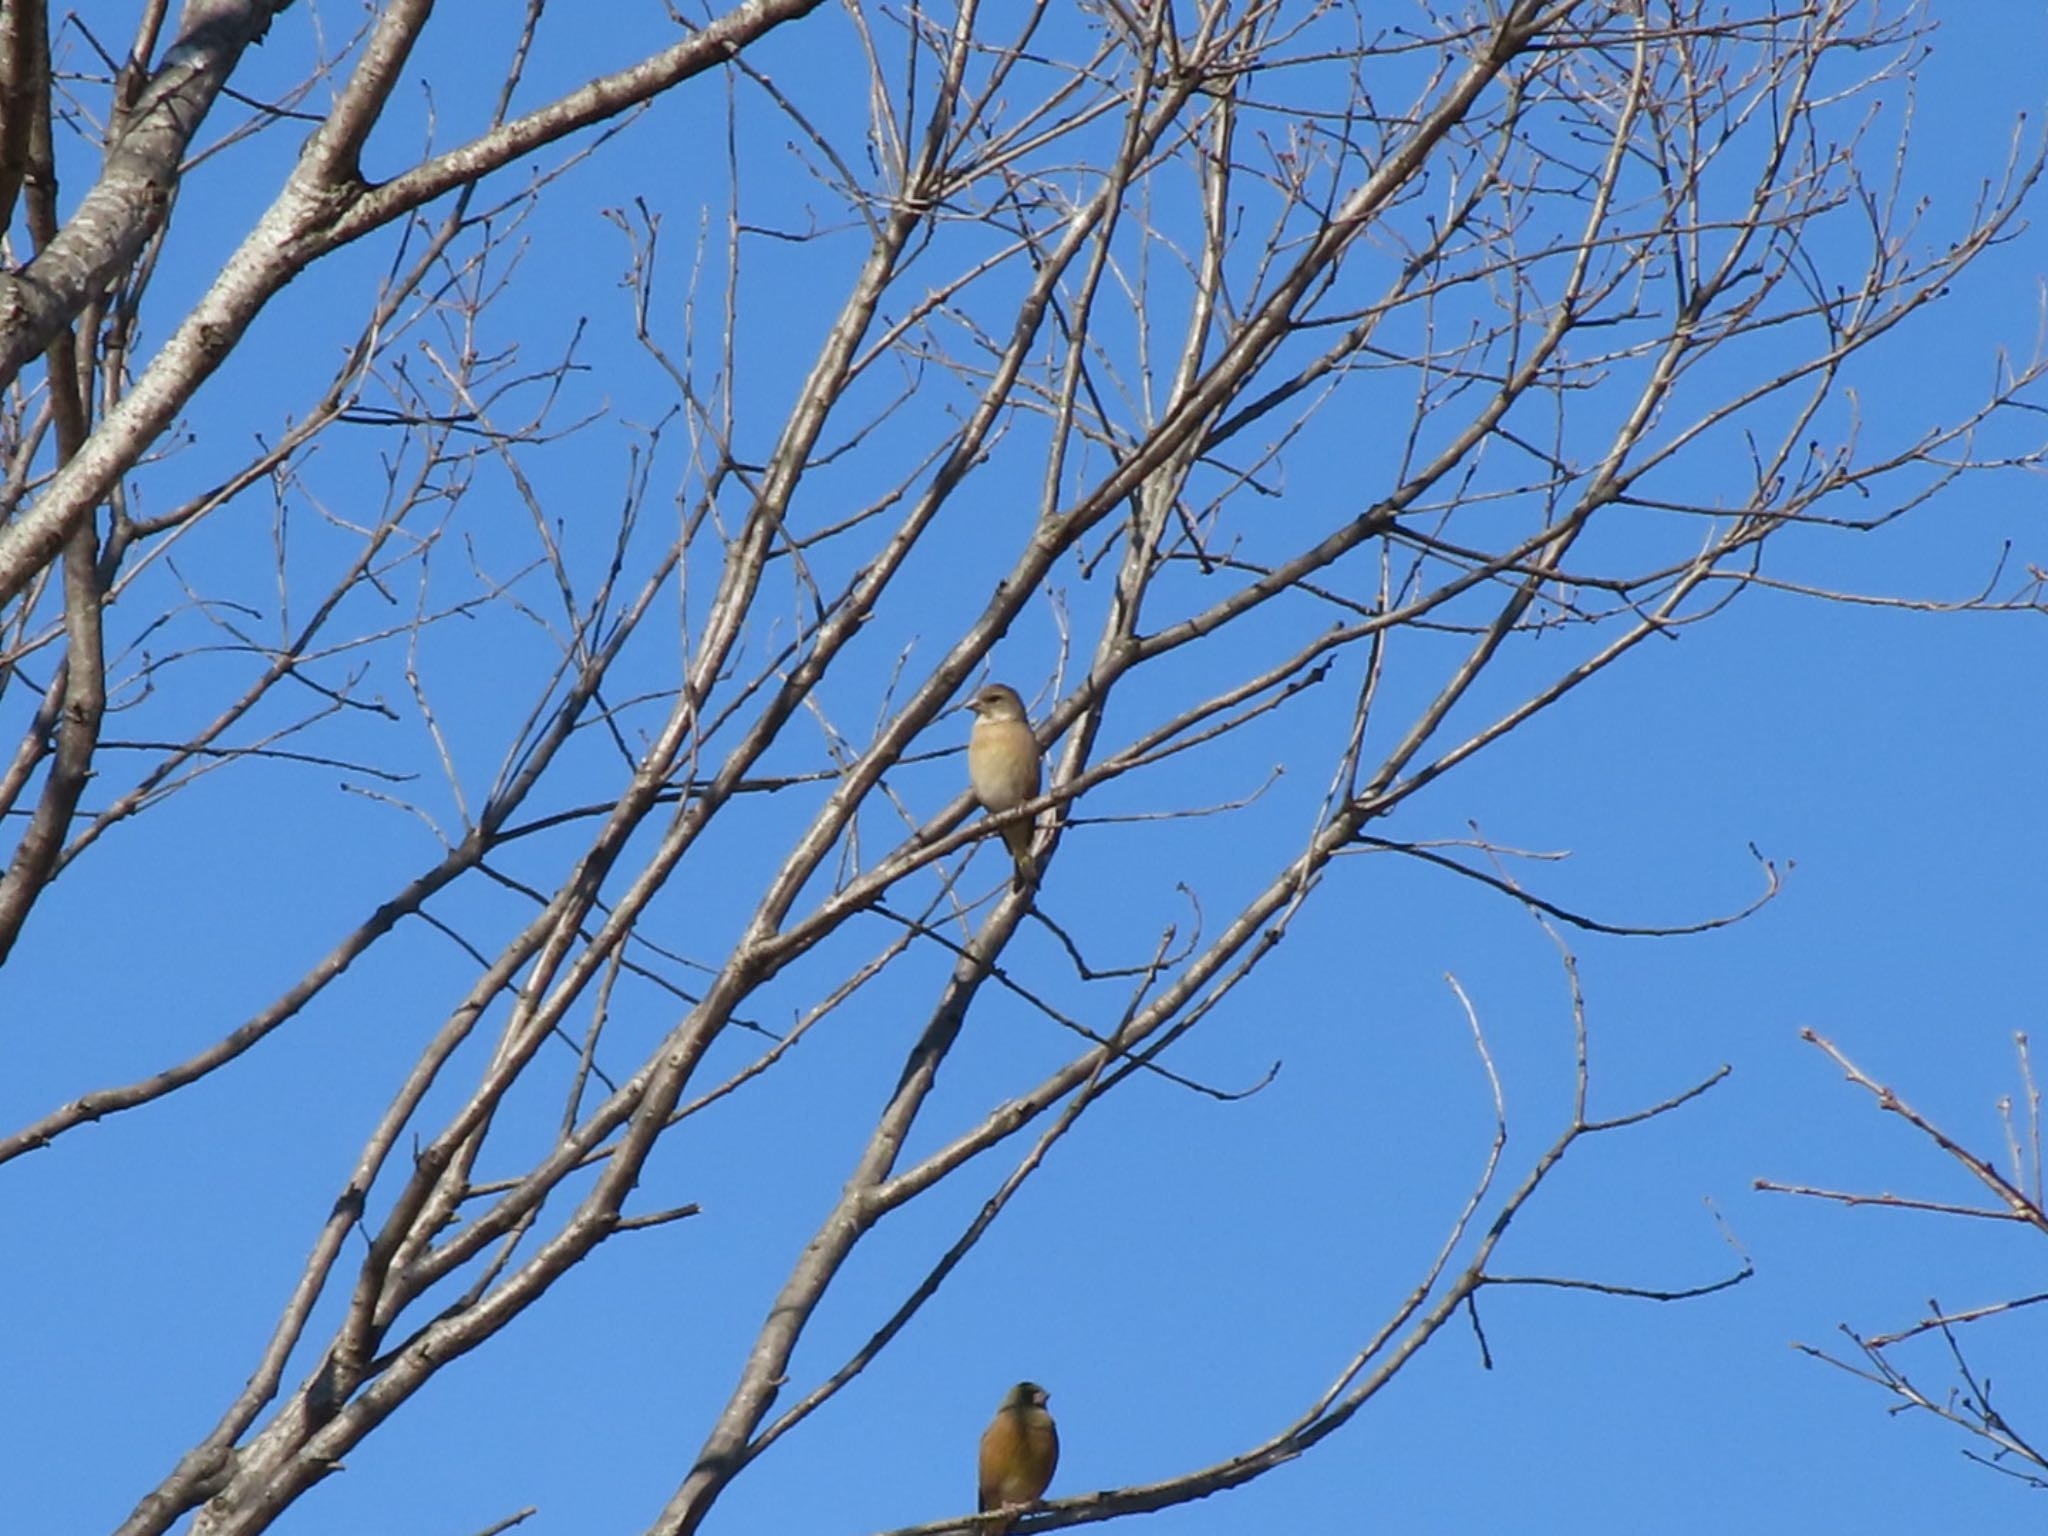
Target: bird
[(1003, 767), (1018, 1451)]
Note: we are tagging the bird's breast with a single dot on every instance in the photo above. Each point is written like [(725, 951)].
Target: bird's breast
[(1002, 761)]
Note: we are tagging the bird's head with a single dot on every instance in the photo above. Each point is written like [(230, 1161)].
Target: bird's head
[(1026, 1395), (996, 701)]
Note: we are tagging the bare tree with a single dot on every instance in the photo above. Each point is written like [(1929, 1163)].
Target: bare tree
[(2012, 1180), (1576, 292)]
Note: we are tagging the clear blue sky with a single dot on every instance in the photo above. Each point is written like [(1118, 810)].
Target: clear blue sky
[(1184, 1276)]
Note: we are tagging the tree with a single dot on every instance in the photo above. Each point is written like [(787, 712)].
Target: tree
[(1250, 384), (1968, 1400)]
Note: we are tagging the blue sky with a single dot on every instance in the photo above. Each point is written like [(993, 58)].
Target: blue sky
[(1183, 1275)]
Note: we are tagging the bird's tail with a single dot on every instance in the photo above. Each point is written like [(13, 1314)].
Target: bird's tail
[(1018, 840)]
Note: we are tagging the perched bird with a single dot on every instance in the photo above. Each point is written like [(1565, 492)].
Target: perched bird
[(1020, 1449), (1002, 765)]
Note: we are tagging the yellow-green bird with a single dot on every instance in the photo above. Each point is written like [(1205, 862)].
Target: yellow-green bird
[(1018, 1452), (1003, 766)]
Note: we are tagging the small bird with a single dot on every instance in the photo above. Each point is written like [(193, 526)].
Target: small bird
[(1020, 1449), (1003, 767)]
